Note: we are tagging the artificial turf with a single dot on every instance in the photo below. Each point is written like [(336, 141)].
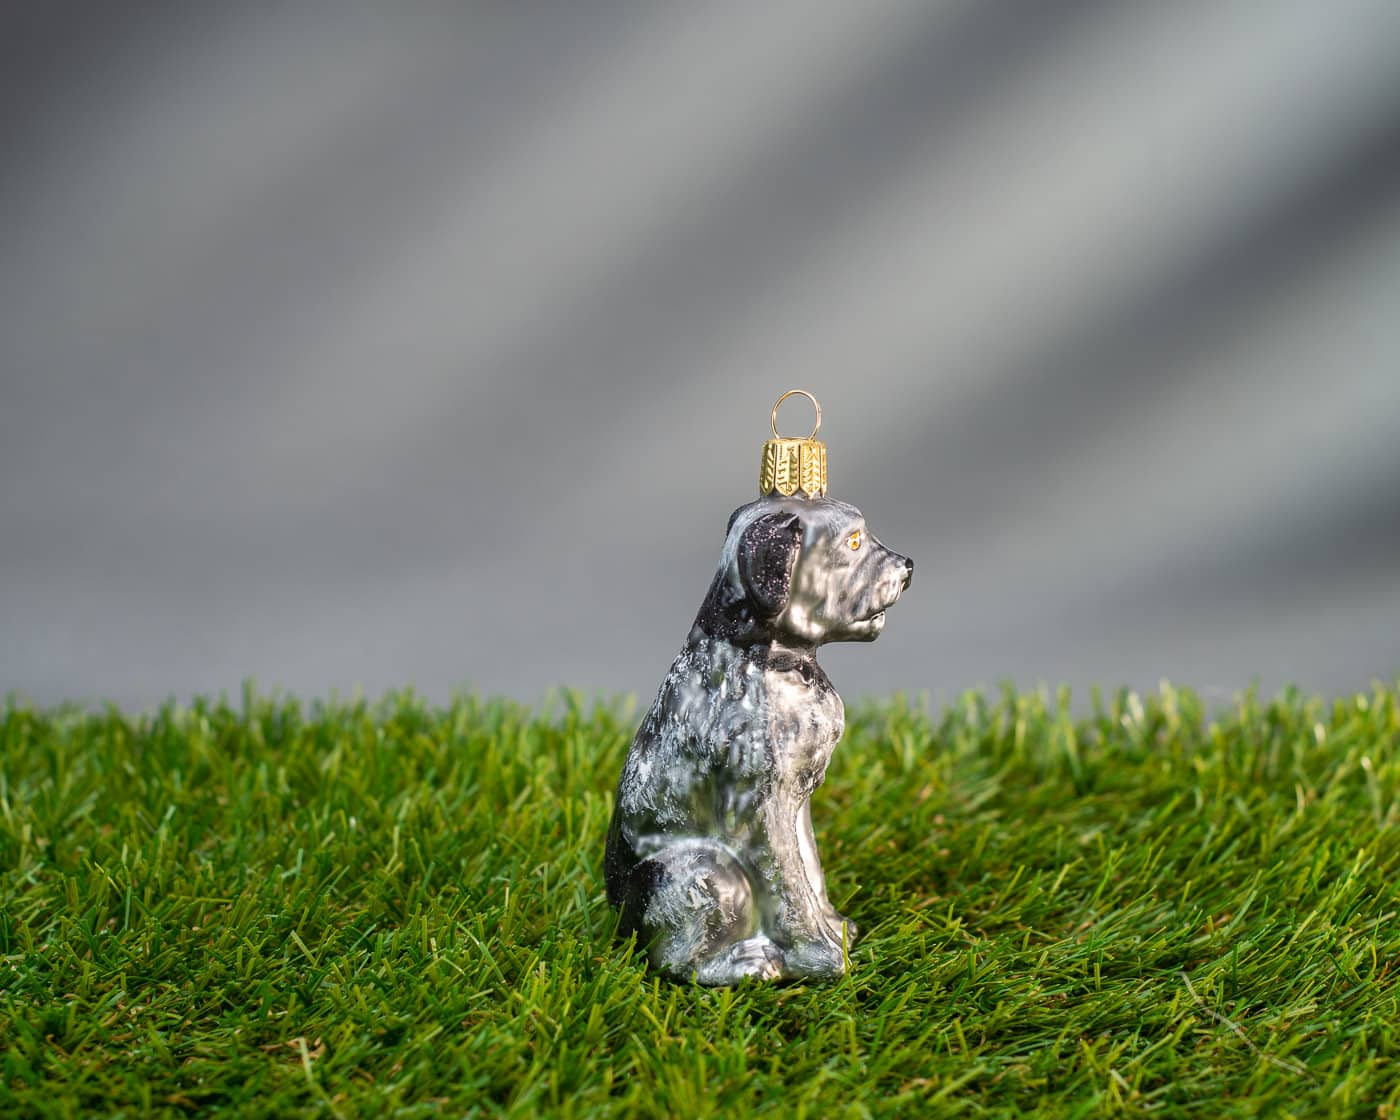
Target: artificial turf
[(396, 909)]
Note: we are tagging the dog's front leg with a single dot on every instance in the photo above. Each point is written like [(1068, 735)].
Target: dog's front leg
[(792, 900), (842, 928)]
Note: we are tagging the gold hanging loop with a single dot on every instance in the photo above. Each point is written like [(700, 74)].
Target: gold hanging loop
[(797, 393)]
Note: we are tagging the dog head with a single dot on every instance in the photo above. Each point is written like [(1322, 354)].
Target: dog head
[(804, 571)]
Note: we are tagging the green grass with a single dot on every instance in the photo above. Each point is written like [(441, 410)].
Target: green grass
[(396, 909)]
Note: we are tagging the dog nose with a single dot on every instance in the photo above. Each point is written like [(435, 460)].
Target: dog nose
[(908, 573)]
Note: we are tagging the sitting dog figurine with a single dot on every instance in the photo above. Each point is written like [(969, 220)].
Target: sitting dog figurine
[(711, 856)]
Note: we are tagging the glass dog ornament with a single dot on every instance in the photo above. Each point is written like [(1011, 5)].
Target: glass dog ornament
[(710, 856)]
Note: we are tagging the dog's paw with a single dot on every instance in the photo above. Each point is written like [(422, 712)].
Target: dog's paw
[(815, 960), (754, 958), (758, 957)]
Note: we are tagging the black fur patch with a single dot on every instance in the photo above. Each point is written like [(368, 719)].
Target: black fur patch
[(767, 551), (765, 557), (645, 878)]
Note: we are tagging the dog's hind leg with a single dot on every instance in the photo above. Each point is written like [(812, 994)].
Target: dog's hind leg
[(693, 908)]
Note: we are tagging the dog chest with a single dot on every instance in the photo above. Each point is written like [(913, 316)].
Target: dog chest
[(805, 720)]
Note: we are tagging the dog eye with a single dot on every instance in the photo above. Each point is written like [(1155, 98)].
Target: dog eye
[(854, 540)]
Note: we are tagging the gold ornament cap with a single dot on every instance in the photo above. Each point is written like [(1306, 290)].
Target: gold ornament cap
[(791, 464)]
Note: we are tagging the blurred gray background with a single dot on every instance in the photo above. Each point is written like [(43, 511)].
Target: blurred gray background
[(362, 345)]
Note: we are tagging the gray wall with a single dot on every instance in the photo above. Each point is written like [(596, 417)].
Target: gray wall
[(403, 343)]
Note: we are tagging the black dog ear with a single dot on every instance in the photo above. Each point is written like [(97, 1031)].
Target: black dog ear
[(767, 553)]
